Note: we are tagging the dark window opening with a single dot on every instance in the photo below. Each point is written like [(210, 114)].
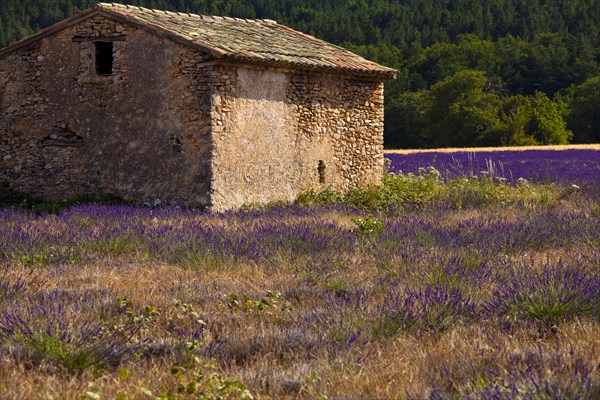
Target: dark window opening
[(321, 170), (176, 144), (104, 58)]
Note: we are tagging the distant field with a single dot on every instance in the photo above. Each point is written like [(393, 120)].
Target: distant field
[(567, 165)]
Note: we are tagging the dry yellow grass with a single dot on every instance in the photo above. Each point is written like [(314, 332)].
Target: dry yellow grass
[(519, 148), (387, 369)]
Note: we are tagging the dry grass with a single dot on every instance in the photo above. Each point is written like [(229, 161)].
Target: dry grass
[(516, 148), (275, 352), (263, 347), (387, 370)]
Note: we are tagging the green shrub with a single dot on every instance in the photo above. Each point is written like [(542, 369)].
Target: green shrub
[(409, 191)]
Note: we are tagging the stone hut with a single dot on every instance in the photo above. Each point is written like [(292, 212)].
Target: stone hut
[(153, 105)]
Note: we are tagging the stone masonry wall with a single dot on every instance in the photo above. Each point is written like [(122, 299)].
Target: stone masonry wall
[(142, 132), (278, 133), (347, 114)]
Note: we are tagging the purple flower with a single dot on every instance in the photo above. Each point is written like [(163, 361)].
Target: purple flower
[(555, 293)]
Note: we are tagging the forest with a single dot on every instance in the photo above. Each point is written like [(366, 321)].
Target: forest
[(471, 72)]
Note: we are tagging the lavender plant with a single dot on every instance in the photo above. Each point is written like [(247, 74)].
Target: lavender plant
[(433, 309), (342, 321), (556, 293), (533, 374), (50, 328), (15, 284)]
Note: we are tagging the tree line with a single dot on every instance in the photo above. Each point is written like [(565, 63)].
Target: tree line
[(494, 72)]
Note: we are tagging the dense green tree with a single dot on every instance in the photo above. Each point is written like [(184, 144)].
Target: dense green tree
[(583, 102), (405, 114), (442, 60), (522, 47), (466, 109), (515, 116), (532, 120), (460, 111), (546, 123)]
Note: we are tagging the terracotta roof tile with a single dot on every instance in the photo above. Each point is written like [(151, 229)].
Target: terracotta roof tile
[(260, 40)]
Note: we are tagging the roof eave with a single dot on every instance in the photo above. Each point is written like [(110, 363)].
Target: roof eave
[(384, 73)]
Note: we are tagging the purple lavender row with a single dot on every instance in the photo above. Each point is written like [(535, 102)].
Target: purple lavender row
[(83, 234), (568, 167)]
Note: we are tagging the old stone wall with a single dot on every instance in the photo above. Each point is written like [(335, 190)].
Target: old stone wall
[(278, 133), (342, 118), (141, 132)]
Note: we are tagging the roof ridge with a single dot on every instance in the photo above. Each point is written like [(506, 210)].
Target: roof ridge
[(180, 13), (296, 48)]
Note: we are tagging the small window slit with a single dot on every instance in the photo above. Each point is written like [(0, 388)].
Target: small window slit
[(321, 171)]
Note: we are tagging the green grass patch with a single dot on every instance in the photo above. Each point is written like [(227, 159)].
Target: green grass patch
[(410, 191)]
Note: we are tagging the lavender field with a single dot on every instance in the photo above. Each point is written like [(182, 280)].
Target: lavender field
[(442, 284), (573, 166)]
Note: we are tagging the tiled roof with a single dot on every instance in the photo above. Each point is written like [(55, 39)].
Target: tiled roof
[(254, 40), (245, 40)]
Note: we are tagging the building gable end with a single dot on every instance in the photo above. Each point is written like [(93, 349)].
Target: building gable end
[(84, 15)]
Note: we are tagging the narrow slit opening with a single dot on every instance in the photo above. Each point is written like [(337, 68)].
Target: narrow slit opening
[(321, 171)]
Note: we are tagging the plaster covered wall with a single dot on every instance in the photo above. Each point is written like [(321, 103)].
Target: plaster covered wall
[(277, 133), (141, 133), (254, 157)]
